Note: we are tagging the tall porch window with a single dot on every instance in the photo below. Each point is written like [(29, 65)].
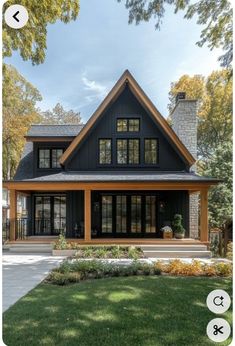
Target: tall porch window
[(50, 215), (150, 214), (121, 217), (135, 214), (107, 210)]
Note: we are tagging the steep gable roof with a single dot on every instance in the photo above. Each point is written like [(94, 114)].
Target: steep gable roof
[(146, 103)]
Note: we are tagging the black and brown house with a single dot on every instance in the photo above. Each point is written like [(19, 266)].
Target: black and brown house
[(119, 178)]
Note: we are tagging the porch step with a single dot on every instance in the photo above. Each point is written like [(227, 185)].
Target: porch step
[(167, 247), (176, 251), (30, 248)]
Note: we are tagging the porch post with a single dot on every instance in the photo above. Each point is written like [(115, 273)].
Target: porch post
[(87, 210), (13, 214), (204, 215)]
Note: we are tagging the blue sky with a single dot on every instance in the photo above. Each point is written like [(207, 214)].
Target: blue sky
[(86, 57)]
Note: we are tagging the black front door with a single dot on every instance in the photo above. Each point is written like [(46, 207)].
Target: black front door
[(128, 215), (50, 215)]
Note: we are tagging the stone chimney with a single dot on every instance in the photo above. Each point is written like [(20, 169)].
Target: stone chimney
[(184, 123)]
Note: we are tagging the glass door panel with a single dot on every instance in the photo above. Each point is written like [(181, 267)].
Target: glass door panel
[(150, 214), (121, 217), (50, 215), (107, 210), (42, 215), (59, 215), (135, 214)]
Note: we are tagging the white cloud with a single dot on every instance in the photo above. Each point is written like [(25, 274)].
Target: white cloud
[(96, 90)]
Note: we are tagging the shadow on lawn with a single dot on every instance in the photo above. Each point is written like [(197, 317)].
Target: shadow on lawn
[(144, 311)]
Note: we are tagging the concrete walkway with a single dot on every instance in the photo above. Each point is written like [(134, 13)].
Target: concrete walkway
[(22, 272)]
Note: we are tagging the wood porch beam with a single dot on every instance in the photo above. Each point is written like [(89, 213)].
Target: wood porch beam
[(204, 215), (13, 214), (87, 212), (68, 186)]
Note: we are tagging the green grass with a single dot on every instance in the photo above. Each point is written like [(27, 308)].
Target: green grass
[(131, 311)]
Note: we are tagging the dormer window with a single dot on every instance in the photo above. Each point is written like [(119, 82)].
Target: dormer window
[(128, 125), (49, 158)]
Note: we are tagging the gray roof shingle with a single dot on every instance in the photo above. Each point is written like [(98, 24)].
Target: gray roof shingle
[(54, 130), (120, 176)]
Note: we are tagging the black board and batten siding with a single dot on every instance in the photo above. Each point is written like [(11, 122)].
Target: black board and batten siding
[(86, 156)]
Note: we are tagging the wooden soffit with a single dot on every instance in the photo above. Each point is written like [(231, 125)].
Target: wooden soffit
[(145, 101), (70, 186)]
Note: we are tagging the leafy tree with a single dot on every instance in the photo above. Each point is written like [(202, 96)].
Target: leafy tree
[(214, 107), (19, 112), (31, 39), (59, 115), (215, 15), (220, 199)]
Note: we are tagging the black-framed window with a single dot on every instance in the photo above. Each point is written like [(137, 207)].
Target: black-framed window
[(122, 151), (128, 151), (121, 214), (133, 151), (56, 155), (122, 125), (107, 214), (105, 151), (150, 214), (44, 158), (134, 125), (49, 158), (128, 125), (136, 214), (151, 151)]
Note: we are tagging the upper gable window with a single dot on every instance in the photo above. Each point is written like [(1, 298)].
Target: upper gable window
[(151, 151), (128, 151), (49, 158), (105, 151), (128, 125)]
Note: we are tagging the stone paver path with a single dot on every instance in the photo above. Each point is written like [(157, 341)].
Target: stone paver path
[(22, 272)]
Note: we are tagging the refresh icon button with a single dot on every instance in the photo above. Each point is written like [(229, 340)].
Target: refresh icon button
[(218, 300)]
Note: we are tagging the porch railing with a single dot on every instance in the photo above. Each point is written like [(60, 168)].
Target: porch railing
[(21, 229), (5, 231)]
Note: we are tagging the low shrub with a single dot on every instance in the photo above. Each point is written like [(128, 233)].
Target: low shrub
[(62, 279), (209, 270), (229, 254), (111, 251), (223, 269), (78, 270)]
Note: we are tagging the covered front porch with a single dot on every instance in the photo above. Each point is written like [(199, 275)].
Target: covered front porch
[(105, 212)]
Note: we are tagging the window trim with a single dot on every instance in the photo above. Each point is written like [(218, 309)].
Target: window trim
[(128, 164), (157, 151), (128, 120), (50, 151), (111, 149)]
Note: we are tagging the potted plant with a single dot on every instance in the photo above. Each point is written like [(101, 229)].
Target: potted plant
[(167, 232), (178, 228)]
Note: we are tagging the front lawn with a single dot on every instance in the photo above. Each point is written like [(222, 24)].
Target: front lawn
[(130, 311)]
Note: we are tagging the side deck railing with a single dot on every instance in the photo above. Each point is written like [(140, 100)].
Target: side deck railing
[(21, 227)]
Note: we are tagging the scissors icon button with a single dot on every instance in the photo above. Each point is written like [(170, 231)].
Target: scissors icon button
[(218, 330)]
